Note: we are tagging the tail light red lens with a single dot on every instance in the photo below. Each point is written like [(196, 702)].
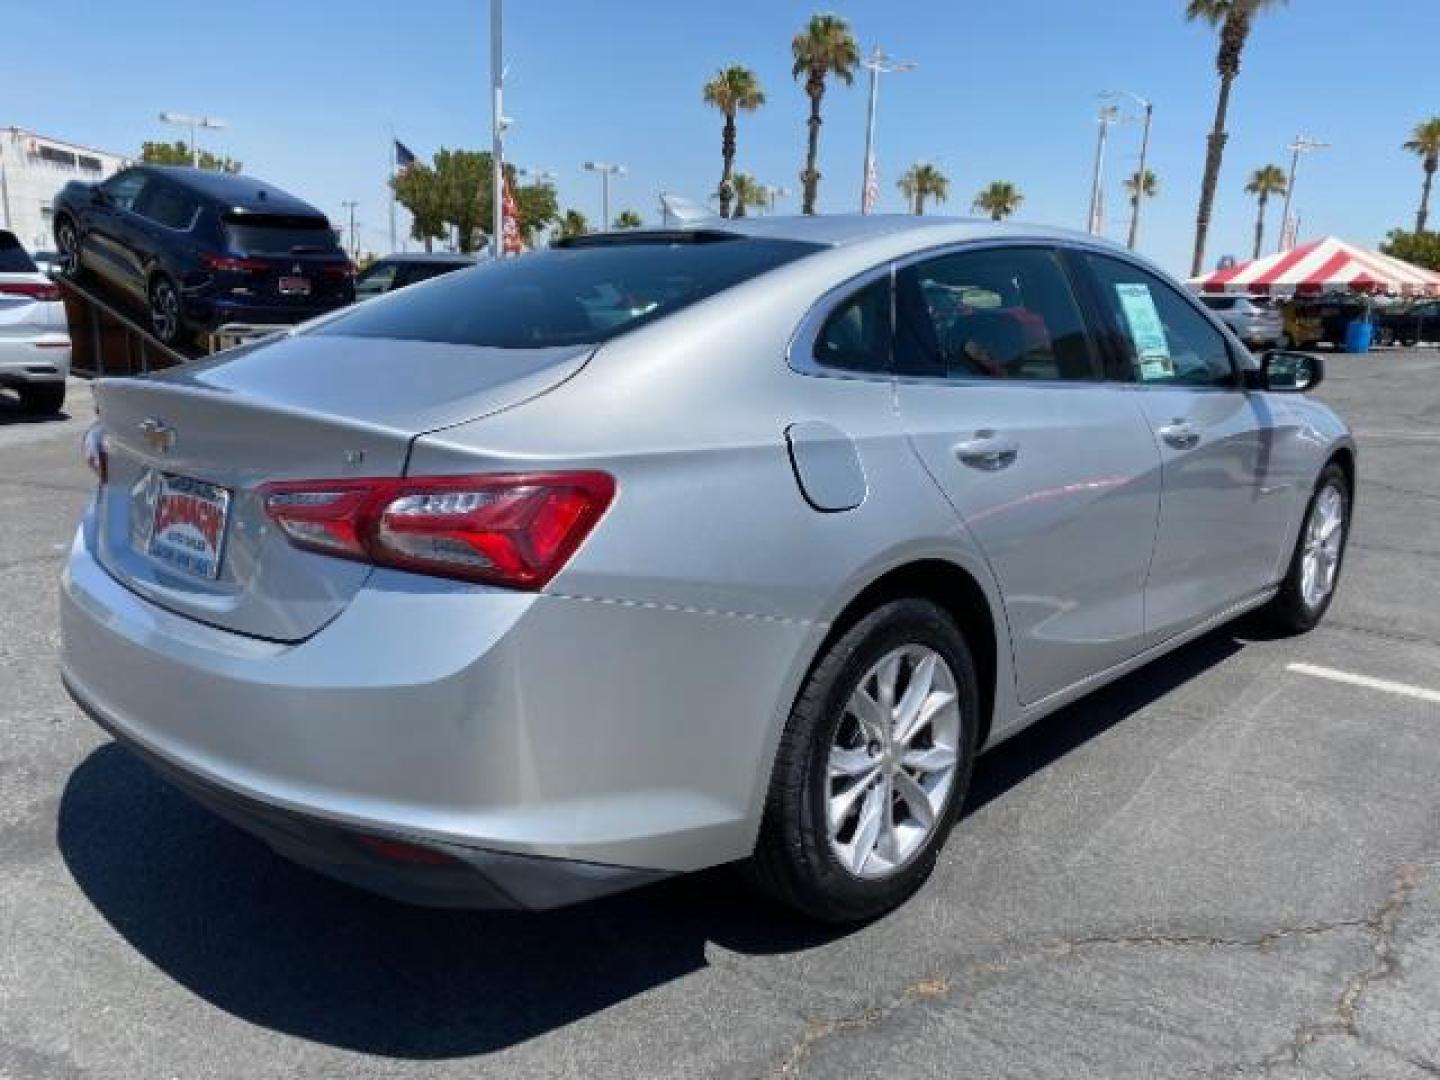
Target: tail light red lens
[(35, 290), (92, 446), (341, 270), (512, 529), (233, 262)]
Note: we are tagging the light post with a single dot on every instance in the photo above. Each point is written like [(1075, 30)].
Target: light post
[(606, 170), (877, 63), (498, 124), (1301, 145), (350, 205), (1109, 114), (772, 193), (1148, 108), (192, 122)]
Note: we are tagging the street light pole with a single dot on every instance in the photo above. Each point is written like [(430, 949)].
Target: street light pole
[(772, 193), (876, 63), (606, 170), (497, 134), (1301, 145), (350, 205), (1109, 114), (192, 122), (1148, 108)]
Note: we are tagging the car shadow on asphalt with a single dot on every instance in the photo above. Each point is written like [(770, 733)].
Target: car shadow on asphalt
[(12, 413), (289, 950)]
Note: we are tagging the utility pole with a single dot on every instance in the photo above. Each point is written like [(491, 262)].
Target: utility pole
[(350, 205), (192, 122), (876, 63), (498, 124), (1301, 145), (1109, 114)]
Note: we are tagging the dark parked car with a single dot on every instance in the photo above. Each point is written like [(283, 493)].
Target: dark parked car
[(200, 249), (1410, 323), (396, 271)]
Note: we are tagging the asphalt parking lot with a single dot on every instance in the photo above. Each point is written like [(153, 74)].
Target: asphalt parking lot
[(1224, 865)]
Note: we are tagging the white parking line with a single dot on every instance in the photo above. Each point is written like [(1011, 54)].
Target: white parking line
[(1366, 681)]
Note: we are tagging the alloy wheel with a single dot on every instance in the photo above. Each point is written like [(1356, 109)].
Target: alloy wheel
[(69, 245), (893, 761), (165, 311), (1324, 538)]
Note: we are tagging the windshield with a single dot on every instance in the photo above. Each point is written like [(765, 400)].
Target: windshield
[(568, 296)]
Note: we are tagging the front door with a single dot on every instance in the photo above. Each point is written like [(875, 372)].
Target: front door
[(1052, 469), (110, 231), (1227, 496)]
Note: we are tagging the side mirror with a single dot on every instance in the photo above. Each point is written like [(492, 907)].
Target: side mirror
[(1291, 372)]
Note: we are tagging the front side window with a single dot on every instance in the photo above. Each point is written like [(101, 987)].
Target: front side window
[(856, 336), (1166, 340), (574, 295), (1001, 313), (124, 188)]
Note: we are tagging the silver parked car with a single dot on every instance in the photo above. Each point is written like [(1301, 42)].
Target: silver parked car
[(1255, 320), (662, 550)]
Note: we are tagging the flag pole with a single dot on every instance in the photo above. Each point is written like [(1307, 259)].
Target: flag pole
[(393, 167), (497, 123)]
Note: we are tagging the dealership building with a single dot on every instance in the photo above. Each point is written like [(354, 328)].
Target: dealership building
[(33, 169)]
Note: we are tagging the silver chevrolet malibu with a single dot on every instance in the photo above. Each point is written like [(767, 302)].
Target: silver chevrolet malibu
[(661, 550)]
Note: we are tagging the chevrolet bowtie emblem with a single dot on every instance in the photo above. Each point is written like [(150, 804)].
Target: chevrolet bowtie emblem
[(158, 435)]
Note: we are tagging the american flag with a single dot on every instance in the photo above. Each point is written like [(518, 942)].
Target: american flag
[(872, 187)]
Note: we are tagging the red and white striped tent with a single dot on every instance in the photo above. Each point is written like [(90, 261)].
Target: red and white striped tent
[(1320, 266)]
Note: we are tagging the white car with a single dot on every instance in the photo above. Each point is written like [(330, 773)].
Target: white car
[(34, 335)]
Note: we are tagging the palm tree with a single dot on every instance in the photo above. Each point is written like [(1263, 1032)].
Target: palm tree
[(571, 223), (1139, 189), (922, 181), (628, 219), (824, 48), (1426, 143), (748, 192), (1000, 199), (732, 89), (1234, 18), (1264, 182)]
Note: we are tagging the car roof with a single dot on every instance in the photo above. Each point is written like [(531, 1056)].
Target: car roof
[(235, 191)]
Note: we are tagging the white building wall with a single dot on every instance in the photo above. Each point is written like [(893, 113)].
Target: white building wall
[(33, 169)]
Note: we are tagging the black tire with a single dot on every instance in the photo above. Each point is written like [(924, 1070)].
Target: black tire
[(1289, 612), (793, 860), (42, 399), (167, 322)]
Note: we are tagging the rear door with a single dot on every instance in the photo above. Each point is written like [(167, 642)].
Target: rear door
[(1227, 496), (1052, 468)]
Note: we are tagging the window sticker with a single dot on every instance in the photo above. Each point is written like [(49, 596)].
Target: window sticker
[(1147, 331)]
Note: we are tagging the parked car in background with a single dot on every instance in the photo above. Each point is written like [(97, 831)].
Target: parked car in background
[(47, 262), (199, 249), (660, 550), (1255, 319), (397, 271), (1409, 324), (1321, 320), (34, 336)]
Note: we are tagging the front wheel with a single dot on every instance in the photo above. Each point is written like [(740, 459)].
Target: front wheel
[(1314, 571), (67, 246), (872, 767)]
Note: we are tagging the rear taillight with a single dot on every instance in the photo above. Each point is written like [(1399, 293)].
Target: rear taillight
[(340, 270), (236, 263), (515, 529), (92, 446), (35, 290)]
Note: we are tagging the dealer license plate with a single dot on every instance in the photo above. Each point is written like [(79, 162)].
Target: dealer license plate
[(188, 531), (294, 286)]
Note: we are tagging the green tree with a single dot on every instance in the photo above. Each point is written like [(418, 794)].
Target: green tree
[(571, 223), (1425, 143), (1265, 181), (178, 153), (1420, 248), (923, 181), (748, 193), (1139, 189), (628, 219), (1234, 19), (825, 47), (999, 199), (732, 89), (418, 190)]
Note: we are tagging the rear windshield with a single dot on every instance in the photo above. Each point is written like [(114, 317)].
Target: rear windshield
[(13, 259), (280, 235), (567, 296)]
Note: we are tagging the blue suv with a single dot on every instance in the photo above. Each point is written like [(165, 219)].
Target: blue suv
[(199, 249)]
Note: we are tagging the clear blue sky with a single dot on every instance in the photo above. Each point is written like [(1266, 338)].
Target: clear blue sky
[(1003, 91)]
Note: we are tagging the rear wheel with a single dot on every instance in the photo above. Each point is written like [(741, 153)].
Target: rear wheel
[(165, 321), (873, 766), (41, 399), (1309, 585)]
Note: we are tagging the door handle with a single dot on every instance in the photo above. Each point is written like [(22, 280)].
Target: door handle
[(987, 451), (1181, 434)]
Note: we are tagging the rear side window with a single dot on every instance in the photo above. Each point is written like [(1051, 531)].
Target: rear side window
[(567, 296), (856, 336), (13, 257), (168, 206), (1166, 339), (256, 234), (1001, 313)]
